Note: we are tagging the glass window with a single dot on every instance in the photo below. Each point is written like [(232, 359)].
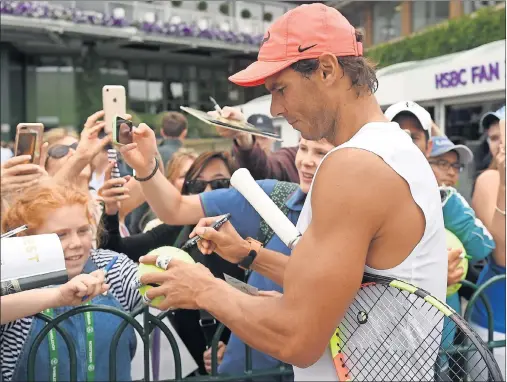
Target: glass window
[(463, 120), (425, 13), (137, 88), (55, 73), (386, 21)]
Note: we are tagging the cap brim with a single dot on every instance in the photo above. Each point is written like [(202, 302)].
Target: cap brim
[(465, 155), (255, 74)]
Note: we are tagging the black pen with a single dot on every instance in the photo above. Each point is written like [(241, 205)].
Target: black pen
[(216, 225)]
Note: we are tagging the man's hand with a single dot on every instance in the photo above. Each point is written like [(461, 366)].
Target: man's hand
[(91, 285), (140, 155), (180, 284), (454, 271), (244, 140), (220, 356), (113, 191), (16, 174), (226, 242), (90, 144)]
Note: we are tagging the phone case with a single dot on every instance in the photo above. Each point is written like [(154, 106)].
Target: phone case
[(38, 129), (114, 102), (115, 133)]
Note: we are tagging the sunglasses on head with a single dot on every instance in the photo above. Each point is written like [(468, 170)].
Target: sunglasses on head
[(197, 186), (59, 151)]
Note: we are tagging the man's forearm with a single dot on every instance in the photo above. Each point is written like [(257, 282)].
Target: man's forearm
[(264, 323), (271, 264)]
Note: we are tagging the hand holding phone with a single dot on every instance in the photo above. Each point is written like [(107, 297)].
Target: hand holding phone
[(122, 131), (29, 141), (114, 102)]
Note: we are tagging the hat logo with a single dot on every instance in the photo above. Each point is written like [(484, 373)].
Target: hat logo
[(301, 50), (265, 39), (260, 120)]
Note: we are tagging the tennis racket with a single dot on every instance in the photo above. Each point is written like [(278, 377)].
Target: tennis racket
[(392, 331)]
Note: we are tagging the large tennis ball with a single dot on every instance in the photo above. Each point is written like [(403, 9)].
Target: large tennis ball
[(176, 253), (453, 242)]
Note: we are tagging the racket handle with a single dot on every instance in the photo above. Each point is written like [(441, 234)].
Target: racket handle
[(242, 181)]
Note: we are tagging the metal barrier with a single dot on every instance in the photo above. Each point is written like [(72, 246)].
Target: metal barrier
[(150, 322)]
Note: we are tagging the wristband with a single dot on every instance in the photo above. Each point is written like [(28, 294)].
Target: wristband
[(149, 176), (255, 247)]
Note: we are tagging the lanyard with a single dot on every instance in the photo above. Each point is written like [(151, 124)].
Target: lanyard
[(90, 347)]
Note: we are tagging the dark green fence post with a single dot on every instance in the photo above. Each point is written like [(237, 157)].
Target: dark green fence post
[(38, 340)]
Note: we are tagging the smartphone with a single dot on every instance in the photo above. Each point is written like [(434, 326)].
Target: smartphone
[(122, 131), (114, 102), (29, 140)]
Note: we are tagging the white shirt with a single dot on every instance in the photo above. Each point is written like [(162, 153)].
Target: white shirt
[(426, 266)]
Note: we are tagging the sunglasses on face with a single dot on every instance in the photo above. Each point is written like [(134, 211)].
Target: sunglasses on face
[(197, 186), (59, 151)]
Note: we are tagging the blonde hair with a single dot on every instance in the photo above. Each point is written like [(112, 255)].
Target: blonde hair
[(54, 135), (177, 160)]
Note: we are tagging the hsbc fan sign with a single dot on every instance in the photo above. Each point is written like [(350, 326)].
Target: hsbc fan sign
[(477, 71)]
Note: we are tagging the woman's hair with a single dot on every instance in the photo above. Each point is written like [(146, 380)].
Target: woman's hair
[(202, 161), (35, 204), (54, 135), (177, 160)]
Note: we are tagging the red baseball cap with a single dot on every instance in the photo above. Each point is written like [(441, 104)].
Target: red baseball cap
[(304, 32)]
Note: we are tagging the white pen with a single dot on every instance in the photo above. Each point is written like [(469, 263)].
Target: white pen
[(14, 231), (217, 106)]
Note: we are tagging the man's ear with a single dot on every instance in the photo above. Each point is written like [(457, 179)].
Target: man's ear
[(329, 68)]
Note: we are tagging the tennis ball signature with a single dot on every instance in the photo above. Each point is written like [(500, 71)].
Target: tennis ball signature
[(143, 269)]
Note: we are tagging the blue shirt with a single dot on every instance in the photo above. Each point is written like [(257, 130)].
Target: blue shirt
[(246, 221), (495, 294)]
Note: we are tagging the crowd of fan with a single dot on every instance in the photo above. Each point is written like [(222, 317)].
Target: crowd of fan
[(71, 193)]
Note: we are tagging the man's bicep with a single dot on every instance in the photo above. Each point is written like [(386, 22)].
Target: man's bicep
[(325, 270)]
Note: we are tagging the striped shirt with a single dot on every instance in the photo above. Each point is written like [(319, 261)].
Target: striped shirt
[(120, 278)]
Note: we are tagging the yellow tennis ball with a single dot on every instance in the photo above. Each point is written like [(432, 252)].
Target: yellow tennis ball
[(453, 242), (143, 269)]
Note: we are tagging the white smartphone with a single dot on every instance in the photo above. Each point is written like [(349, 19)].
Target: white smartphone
[(114, 102)]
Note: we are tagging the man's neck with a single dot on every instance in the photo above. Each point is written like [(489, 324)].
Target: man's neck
[(353, 114)]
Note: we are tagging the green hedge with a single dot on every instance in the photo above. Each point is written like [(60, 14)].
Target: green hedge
[(464, 33)]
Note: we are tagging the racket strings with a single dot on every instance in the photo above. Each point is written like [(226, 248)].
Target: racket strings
[(391, 334)]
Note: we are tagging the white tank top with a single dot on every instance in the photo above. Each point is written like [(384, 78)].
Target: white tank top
[(426, 266)]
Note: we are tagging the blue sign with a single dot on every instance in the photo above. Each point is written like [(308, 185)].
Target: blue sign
[(464, 76)]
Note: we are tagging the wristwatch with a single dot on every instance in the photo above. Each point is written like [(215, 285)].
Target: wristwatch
[(255, 247)]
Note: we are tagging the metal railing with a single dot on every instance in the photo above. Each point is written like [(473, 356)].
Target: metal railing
[(150, 322)]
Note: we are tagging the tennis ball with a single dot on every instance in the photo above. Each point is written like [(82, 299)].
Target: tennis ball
[(453, 242), (143, 269)]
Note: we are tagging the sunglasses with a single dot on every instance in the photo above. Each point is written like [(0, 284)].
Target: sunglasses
[(197, 186), (59, 151)]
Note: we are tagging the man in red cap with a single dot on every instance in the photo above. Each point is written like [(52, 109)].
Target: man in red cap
[(374, 206)]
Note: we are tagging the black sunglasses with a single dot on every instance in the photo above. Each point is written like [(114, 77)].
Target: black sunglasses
[(197, 186), (59, 151)]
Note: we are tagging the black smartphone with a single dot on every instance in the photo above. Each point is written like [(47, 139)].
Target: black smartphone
[(122, 131)]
